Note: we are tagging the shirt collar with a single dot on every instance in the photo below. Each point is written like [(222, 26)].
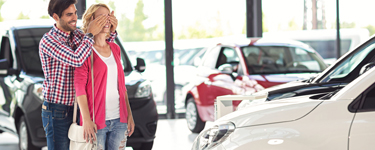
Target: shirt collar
[(59, 32)]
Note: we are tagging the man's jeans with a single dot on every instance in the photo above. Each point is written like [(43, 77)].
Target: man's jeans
[(113, 136), (57, 119)]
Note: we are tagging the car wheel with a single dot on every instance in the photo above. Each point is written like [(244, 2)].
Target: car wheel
[(24, 137), (195, 124)]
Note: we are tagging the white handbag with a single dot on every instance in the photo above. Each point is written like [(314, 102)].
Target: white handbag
[(75, 133)]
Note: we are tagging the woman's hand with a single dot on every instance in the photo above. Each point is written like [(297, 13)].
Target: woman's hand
[(130, 125), (113, 21), (96, 25), (89, 133)]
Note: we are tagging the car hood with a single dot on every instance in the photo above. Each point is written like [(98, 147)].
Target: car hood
[(285, 110)]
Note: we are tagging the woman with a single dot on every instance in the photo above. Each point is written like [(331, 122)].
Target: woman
[(113, 116)]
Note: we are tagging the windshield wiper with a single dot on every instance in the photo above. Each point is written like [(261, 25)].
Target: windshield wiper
[(329, 95)]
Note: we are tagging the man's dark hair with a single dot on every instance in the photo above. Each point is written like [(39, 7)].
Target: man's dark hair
[(58, 6)]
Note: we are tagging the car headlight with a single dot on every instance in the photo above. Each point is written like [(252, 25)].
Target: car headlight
[(38, 90), (143, 90), (214, 136)]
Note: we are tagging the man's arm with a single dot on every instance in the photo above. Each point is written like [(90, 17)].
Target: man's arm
[(53, 47)]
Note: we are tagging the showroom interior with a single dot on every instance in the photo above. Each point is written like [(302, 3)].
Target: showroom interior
[(213, 74)]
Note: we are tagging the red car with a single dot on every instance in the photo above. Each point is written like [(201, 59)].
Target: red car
[(245, 68)]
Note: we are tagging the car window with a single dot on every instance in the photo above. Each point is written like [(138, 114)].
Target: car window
[(231, 54), (281, 59), (187, 56), (349, 64), (364, 102), (227, 55), (28, 48)]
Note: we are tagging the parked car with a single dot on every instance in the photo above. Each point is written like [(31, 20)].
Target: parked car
[(347, 68), (156, 72), (246, 67), (22, 77), (341, 119)]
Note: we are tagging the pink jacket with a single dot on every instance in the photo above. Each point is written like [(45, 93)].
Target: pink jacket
[(83, 86)]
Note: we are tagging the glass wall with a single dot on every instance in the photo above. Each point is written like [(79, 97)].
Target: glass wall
[(314, 23)]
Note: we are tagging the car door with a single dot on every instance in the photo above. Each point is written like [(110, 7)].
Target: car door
[(216, 83), (202, 80), (5, 96), (362, 131)]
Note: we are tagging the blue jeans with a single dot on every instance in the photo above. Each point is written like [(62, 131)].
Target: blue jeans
[(113, 136), (57, 119)]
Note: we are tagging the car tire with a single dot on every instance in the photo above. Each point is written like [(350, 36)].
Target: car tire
[(194, 121), (24, 136)]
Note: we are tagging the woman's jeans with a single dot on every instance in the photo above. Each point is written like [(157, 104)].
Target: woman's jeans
[(57, 119), (113, 136)]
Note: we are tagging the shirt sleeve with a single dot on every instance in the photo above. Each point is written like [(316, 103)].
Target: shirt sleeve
[(112, 37), (81, 78), (54, 48)]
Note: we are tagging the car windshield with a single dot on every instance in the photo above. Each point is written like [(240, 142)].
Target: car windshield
[(281, 59), (351, 62), (186, 57)]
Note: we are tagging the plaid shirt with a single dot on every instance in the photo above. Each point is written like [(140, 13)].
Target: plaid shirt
[(60, 53)]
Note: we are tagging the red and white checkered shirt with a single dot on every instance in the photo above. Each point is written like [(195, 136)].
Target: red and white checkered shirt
[(60, 53)]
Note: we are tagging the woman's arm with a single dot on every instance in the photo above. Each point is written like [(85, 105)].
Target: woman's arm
[(80, 82), (131, 123), (89, 126)]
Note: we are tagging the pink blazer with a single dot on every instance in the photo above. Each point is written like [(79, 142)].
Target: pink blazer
[(83, 85)]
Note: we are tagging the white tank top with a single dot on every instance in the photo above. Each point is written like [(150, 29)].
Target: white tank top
[(112, 97)]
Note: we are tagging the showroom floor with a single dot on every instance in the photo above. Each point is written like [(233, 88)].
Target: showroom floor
[(171, 134)]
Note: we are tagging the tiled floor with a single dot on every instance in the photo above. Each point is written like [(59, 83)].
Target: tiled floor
[(171, 134)]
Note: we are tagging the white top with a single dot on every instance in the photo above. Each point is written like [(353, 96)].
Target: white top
[(112, 102)]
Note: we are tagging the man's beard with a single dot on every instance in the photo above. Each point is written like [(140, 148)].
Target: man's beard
[(66, 26)]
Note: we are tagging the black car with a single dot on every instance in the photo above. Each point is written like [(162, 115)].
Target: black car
[(22, 78), (325, 84)]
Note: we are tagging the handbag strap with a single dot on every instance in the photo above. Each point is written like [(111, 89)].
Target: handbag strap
[(92, 82)]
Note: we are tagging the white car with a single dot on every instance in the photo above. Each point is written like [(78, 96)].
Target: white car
[(342, 119)]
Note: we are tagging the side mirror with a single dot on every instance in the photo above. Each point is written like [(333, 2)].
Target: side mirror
[(366, 67), (141, 65), (226, 69)]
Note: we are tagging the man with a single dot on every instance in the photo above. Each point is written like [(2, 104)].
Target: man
[(62, 49)]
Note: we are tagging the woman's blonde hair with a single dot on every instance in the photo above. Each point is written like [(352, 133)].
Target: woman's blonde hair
[(89, 13)]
